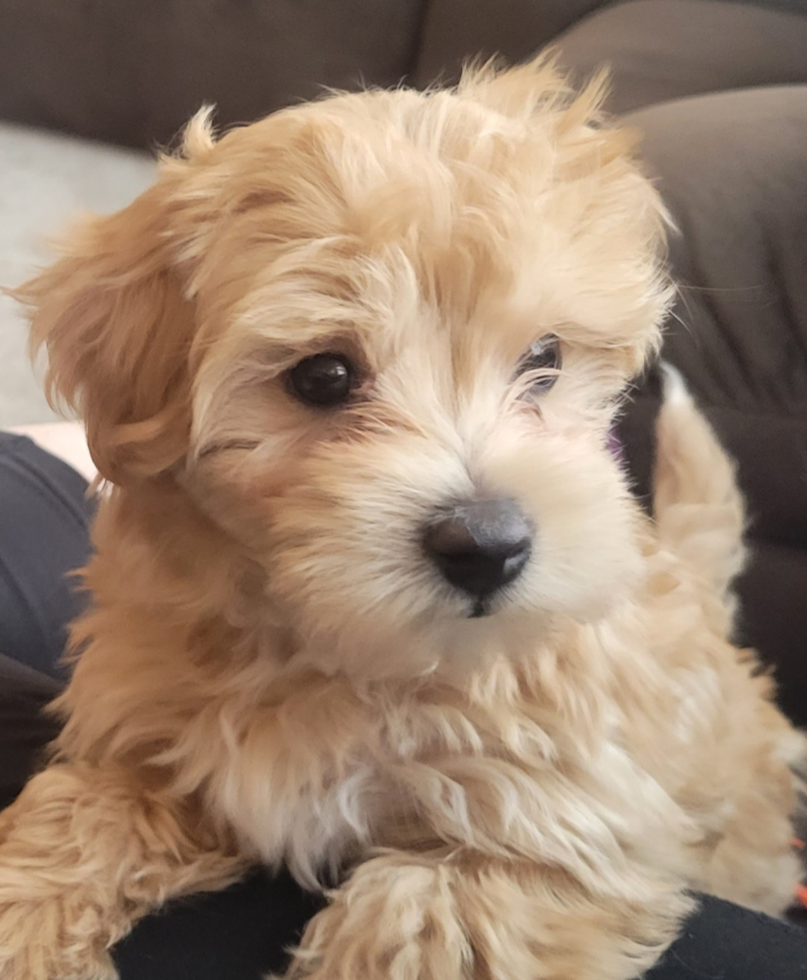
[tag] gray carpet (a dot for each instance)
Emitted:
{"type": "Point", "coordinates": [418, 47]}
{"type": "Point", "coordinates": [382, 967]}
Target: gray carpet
{"type": "Point", "coordinates": [45, 181]}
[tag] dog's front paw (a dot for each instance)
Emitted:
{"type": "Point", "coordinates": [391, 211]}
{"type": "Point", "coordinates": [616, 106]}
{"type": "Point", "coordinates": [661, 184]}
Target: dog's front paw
{"type": "Point", "coordinates": [416, 917]}
{"type": "Point", "coordinates": [47, 940]}
{"type": "Point", "coordinates": [392, 918]}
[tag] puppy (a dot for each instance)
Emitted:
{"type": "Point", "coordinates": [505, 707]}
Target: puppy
{"type": "Point", "coordinates": [370, 595]}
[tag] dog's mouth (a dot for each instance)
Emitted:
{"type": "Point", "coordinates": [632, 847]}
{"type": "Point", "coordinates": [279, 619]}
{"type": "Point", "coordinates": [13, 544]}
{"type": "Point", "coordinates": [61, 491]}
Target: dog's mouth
{"type": "Point", "coordinates": [481, 607]}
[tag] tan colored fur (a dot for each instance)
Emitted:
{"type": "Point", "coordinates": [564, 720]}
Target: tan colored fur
{"type": "Point", "coordinates": [271, 670]}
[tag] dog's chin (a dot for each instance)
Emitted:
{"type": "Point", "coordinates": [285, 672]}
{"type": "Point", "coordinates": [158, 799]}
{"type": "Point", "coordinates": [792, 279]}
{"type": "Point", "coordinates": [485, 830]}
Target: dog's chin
{"type": "Point", "coordinates": [454, 639]}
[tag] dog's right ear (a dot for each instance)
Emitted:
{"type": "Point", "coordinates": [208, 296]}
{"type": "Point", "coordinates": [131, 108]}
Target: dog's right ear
{"type": "Point", "coordinates": [117, 326]}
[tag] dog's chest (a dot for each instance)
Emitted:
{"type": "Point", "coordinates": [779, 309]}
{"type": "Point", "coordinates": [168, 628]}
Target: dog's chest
{"type": "Point", "coordinates": [422, 774]}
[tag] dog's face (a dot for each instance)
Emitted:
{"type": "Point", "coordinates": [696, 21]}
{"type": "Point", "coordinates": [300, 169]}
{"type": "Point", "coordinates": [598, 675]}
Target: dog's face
{"type": "Point", "coordinates": [379, 340]}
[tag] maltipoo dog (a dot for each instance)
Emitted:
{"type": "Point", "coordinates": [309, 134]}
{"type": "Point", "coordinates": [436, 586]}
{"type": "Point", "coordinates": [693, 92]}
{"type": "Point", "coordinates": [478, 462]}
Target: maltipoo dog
{"type": "Point", "coordinates": [370, 594]}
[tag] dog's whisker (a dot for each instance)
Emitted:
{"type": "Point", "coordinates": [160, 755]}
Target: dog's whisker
{"type": "Point", "coordinates": [229, 445]}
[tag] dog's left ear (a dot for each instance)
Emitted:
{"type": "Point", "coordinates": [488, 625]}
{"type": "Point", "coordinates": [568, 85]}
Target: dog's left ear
{"type": "Point", "coordinates": [118, 328]}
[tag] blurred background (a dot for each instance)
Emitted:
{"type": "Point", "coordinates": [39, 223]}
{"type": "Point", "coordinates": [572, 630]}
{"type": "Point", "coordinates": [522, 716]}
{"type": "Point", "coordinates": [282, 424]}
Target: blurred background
{"type": "Point", "coordinates": [46, 179]}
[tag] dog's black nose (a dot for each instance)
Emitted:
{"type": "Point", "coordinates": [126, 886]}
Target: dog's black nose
{"type": "Point", "coordinates": [480, 545]}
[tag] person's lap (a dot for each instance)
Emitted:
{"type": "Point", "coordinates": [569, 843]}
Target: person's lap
{"type": "Point", "coordinates": [44, 534]}
{"type": "Point", "coordinates": [242, 934]}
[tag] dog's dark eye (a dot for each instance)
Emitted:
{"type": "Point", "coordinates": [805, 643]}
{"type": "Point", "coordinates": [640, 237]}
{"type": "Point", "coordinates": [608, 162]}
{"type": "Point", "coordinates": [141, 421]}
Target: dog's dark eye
{"type": "Point", "coordinates": [322, 379]}
{"type": "Point", "coordinates": [544, 358]}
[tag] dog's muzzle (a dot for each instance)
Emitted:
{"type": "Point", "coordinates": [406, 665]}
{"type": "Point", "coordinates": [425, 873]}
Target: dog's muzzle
{"type": "Point", "coordinates": [480, 546]}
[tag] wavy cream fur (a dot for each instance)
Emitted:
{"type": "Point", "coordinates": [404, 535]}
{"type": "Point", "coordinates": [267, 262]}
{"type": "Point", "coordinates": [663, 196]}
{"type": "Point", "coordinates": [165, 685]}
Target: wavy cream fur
{"type": "Point", "coordinates": [271, 671]}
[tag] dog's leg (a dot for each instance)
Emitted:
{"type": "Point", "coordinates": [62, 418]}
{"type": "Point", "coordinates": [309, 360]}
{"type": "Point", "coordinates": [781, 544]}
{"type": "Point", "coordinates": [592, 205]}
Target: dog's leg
{"type": "Point", "coordinates": [416, 917]}
{"type": "Point", "coordinates": [83, 854]}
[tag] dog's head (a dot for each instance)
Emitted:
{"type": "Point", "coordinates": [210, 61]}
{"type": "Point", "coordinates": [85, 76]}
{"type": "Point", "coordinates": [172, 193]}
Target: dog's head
{"type": "Point", "coordinates": [379, 339]}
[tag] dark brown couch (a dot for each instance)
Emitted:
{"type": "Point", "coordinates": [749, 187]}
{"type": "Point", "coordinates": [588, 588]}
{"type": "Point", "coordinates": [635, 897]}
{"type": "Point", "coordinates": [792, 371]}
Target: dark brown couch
{"type": "Point", "coordinates": [719, 89]}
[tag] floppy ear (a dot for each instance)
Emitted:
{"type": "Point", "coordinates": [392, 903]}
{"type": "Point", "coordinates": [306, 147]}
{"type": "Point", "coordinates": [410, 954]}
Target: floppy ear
{"type": "Point", "coordinates": [117, 330]}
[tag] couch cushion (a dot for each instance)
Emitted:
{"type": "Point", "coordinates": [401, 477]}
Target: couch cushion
{"type": "Point", "coordinates": [732, 169]}
{"type": "Point", "coordinates": [455, 30]}
{"type": "Point", "coordinates": [666, 49]}
{"type": "Point", "coordinates": [659, 47]}
{"type": "Point", "coordinates": [133, 71]}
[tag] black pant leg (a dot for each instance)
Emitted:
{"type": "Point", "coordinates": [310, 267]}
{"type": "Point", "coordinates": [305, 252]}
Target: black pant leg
{"type": "Point", "coordinates": [44, 536]}
{"type": "Point", "coordinates": [24, 728]}
{"type": "Point", "coordinates": [242, 933]}
{"type": "Point", "coordinates": [721, 941]}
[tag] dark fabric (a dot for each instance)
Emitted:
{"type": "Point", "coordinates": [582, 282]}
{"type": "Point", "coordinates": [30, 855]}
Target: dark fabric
{"type": "Point", "coordinates": [456, 30]}
{"type": "Point", "coordinates": [44, 535]}
{"type": "Point", "coordinates": [240, 934]}
{"type": "Point", "coordinates": [659, 50]}
{"type": "Point", "coordinates": [732, 168]}
{"type": "Point", "coordinates": [24, 729]}
{"type": "Point", "coordinates": [134, 71]}
{"type": "Point", "coordinates": [665, 43]}
{"type": "Point", "coordinates": [243, 933]}
{"type": "Point", "coordinates": [724, 942]}
{"type": "Point", "coordinates": [44, 522]}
